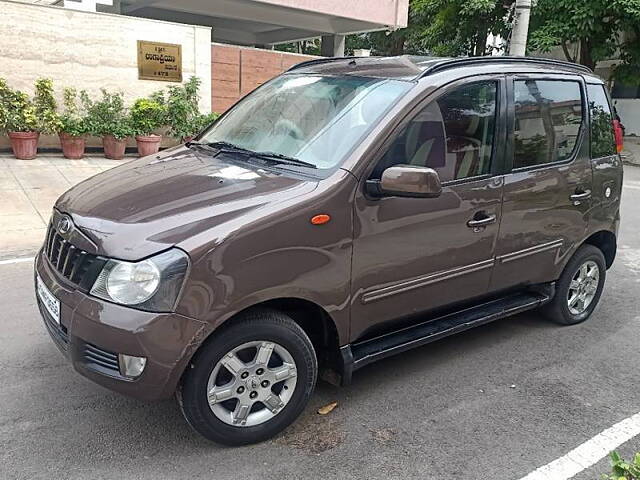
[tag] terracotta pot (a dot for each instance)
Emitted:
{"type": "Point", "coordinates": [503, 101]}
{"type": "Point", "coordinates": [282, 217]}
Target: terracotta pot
{"type": "Point", "coordinates": [187, 139]}
{"type": "Point", "coordinates": [113, 147]}
{"type": "Point", "coordinates": [24, 144]}
{"type": "Point", "coordinates": [72, 145]}
{"type": "Point", "coordinates": [148, 144]}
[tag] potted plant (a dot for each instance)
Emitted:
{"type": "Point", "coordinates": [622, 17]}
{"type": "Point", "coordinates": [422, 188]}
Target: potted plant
{"type": "Point", "coordinates": [24, 119]}
{"type": "Point", "coordinates": [147, 116]}
{"type": "Point", "coordinates": [182, 109]}
{"type": "Point", "coordinates": [73, 126]}
{"type": "Point", "coordinates": [18, 120]}
{"type": "Point", "coordinates": [200, 122]}
{"type": "Point", "coordinates": [107, 117]}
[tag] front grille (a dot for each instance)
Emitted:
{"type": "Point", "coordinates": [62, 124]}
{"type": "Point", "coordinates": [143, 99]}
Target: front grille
{"type": "Point", "coordinates": [101, 360]}
{"type": "Point", "coordinates": [74, 264]}
{"type": "Point", "coordinates": [57, 331]}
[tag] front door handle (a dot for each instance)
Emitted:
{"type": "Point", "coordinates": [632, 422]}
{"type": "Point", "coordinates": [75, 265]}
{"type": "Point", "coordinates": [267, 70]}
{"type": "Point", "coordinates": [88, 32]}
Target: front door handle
{"type": "Point", "coordinates": [579, 196]}
{"type": "Point", "coordinates": [481, 220]}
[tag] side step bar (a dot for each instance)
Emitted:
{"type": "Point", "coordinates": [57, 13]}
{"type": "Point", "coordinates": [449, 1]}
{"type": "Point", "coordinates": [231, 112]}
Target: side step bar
{"type": "Point", "coordinates": [359, 354]}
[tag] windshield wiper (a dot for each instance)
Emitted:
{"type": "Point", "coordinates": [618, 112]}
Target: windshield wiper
{"type": "Point", "coordinates": [219, 146]}
{"type": "Point", "coordinates": [282, 159]}
{"type": "Point", "coordinates": [227, 147]}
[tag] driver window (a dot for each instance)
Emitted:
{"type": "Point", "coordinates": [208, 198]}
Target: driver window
{"type": "Point", "coordinates": [453, 135]}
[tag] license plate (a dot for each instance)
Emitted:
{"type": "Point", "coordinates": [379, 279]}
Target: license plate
{"type": "Point", "coordinates": [51, 303]}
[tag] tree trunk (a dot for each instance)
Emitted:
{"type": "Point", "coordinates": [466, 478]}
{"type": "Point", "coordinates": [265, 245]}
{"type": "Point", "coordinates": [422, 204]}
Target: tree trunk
{"type": "Point", "coordinates": [567, 54]}
{"type": "Point", "coordinates": [585, 54]}
{"type": "Point", "coordinates": [481, 45]}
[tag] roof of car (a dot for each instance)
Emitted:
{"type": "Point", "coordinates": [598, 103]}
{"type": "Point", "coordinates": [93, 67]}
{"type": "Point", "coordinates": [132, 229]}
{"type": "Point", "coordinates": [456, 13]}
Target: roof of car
{"type": "Point", "coordinates": [411, 67]}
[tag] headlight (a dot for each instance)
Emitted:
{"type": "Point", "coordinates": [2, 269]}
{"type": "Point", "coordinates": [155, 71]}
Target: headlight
{"type": "Point", "coordinates": [152, 284]}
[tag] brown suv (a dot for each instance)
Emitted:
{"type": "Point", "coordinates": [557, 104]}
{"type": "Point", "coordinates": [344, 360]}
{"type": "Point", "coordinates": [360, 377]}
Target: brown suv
{"type": "Point", "coordinates": [347, 210]}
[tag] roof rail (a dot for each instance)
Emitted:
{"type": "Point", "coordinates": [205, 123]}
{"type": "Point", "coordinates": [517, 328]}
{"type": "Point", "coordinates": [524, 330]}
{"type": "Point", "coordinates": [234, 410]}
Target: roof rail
{"type": "Point", "coordinates": [462, 61]}
{"type": "Point", "coordinates": [318, 61]}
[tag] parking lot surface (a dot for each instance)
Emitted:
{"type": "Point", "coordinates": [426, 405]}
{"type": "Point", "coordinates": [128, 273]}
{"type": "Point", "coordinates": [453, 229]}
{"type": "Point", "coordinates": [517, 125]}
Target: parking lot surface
{"type": "Point", "coordinates": [495, 402]}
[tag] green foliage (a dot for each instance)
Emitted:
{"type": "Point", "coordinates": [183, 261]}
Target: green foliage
{"type": "Point", "coordinates": [147, 115]}
{"type": "Point", "coordinates": [17, 111]}
{"type": "Point", "coordinates": [45, 107]}
{"type": "Point", "coordinates": [182, 108]}
{"type": "Point", "coordinates": [73, 120]}
{"type": "Point", "coordinates": [594, 25]}
{"type": "Point", "coordinates": [202, 121]}
{"type": "Point", "coordinates": [107, 115]}
{"type": "Point", "coordinates": [621, 470]}
{"type": "Point", "coordinates": [439, 27]}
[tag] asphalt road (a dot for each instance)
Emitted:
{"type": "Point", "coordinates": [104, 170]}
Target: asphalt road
{"type": "Point", "coordinates": [492, 403]}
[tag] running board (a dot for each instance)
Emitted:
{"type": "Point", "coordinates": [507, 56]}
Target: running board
{"type": "Point", "coordinates": [359, 354]}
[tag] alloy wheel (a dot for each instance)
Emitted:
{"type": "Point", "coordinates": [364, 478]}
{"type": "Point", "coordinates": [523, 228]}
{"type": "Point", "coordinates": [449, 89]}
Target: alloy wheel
{"type": "Point", "coordinates": [252, 383]}
{"type": "Point", "coordinates": [583, 287]}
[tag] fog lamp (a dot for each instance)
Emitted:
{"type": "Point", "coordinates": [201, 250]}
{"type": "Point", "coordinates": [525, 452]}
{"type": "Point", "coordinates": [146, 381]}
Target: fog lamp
{"type": "Point", "coordinates": [131, 366]}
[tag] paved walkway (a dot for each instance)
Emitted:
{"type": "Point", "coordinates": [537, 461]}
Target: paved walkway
{"type": "Point", "coordinates": [29, 188]}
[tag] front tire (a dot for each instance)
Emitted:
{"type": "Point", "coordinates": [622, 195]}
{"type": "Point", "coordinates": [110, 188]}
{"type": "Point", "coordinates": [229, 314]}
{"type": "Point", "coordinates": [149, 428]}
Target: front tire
{"type": "Point", "coordinates": [579, 288]}
{"type": "Point", "coordinates": [250, 380]}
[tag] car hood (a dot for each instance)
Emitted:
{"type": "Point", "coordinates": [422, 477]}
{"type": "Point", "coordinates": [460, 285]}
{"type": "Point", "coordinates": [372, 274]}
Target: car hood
{"type": "Point", "coordinates": [148, 205]}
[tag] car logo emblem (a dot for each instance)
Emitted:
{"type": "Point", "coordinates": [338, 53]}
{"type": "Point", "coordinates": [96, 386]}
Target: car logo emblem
{"type": "Point", "coordinates": [64, 225]}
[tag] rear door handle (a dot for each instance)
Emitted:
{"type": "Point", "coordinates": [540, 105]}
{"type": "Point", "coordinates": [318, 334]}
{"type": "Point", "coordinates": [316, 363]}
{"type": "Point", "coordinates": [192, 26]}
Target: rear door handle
{"type": "Point", "coordinates": [580, 196]}
{"type": "Point", "coordinates": [476, 222]}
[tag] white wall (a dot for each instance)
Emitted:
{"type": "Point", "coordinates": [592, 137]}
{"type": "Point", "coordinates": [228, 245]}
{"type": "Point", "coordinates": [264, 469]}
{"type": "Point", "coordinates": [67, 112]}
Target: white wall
{"type": "Point", "coordinates": [92, 50]}
{"type": "Point", "coordinates": [629, 111]}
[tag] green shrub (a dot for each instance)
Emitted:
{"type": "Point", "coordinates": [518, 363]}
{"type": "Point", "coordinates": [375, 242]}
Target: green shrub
{"type": "Point", "coordinates": [107, 115]}
{"type": "Point", "coordinates": [621, 470]}
{"type": "Point", "coordinates": [202, 121]}
{"type": "Point", "coordinates": [73, 120]}
{"type": "Point", "coordinates": [182, 108]}
{"type": "Point", "coordinates": [17, 111]}
{"type": "Point", "coordinates": [45, 107]}
{"type": "Point", "coordinates": [148, 115]}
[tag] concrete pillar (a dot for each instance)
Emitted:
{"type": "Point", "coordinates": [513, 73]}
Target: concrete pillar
{"type": "Point", "coordinates": [332, 46]}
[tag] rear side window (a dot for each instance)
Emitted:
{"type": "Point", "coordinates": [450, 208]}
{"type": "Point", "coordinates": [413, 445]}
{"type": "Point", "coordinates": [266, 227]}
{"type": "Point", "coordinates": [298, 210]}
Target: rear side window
{"type": "Point", "coordinates": [548, 116]}
{"type": "Point", "coordinates": [453, 135]}
{"type": "Point", "coordinates": [602, 140]}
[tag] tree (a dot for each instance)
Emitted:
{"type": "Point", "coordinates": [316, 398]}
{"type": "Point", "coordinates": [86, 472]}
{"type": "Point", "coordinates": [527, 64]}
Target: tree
{"type": "Point", "coordinates": [441, 28]}
{"type": "Point", "coordinates": [456, 27]}
{"type": "Point", "coordinates": [599, 29]}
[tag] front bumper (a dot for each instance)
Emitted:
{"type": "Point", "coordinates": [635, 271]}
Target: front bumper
{"type": "Point", "coordinates": [92, 332]}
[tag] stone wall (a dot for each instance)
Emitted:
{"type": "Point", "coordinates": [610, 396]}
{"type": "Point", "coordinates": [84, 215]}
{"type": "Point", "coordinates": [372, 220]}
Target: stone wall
{"type": "Point", "coordinates": [92, 50]}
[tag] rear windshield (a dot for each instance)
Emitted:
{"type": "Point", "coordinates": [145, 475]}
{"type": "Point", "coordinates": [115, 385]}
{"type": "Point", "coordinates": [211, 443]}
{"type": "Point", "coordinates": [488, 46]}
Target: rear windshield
{"type": "Point", "coordinates": [603, 141]}
{"type": "Point", "coordinates": [317, 119]}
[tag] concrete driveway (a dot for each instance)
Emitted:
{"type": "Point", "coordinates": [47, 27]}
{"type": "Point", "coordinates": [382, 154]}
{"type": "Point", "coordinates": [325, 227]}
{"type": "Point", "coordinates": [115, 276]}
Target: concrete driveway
{"type": "Point", "coordinates": [492, 403]}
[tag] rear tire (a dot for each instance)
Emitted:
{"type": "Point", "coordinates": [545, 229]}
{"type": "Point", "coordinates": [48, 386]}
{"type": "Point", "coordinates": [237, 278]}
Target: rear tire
{"type": "Point", "coordinates": [263, 357]}
{"type": "Point", "coordinates": [579, 288]}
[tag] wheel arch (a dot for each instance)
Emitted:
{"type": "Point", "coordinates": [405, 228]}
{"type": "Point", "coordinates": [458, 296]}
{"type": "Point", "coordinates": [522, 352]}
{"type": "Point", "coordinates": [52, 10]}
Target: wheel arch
{"type": "Point", "coordinates": [316, 322]}
{"type": "Point", "coordinates": [606, 242]}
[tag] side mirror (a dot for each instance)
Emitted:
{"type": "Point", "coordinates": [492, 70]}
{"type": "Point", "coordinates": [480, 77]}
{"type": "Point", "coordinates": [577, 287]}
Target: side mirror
{"type": "Point", "coordinates": [406, 181]}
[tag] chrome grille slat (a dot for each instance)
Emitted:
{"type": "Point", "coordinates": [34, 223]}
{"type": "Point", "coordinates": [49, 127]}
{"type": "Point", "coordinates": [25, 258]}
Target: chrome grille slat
{"type": "Point", "coordinates": [70, 261]}
{"type": "Point", "coordinates": [70, 253]}
{"type": "Point", "coordinates": [63, 245]}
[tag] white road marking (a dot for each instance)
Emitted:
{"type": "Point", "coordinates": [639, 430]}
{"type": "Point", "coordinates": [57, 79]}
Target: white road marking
{"type": "Point", "coordinates": [589, 453]}
{"type": "Point", "coordinates": [16, 260]}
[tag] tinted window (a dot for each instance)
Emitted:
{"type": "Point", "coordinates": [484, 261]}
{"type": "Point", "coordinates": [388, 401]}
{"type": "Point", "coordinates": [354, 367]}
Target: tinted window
{"type": "Point", "coordinates": [548, 120]}
{"type": "Point", "coordinates": [453, 135]}
{"type": "Point", "coordinates": [602, 140]}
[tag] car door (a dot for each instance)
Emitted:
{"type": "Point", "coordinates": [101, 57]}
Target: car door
{"type": "Point", "coordinates": [547, 195]}
{"type": "Point", "coordinates": [411, 255]}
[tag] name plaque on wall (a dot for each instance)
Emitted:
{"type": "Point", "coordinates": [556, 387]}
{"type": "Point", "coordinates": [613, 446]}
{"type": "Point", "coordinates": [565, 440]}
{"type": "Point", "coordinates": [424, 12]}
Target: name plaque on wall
{"type": "Point", "coordinates": [159, 61]}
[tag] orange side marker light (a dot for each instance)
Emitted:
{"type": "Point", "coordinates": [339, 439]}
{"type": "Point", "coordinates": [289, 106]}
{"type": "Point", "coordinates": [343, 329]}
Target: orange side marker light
{"type": "Point", "coordinates": [320, 219]}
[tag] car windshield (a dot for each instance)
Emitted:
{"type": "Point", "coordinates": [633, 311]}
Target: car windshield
{"type": "Point", "coordinates": [316, 119]}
